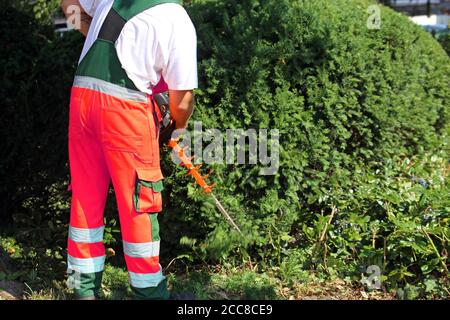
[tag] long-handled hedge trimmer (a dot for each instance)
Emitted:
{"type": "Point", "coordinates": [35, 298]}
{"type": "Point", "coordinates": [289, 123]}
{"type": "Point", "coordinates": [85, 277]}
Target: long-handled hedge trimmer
{"type": "Point", "coordinates": [163, 104]}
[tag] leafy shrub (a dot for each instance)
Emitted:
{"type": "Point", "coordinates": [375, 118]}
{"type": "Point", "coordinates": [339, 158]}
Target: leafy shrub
{"type": "Point", "coordinates": [37, 72]}
{"type": "Point", "coordinates": [352, 104]}
{"type": "Point", "coordinates": [36, 75]}
{"type": "Point", "coordinates": [444, 40]}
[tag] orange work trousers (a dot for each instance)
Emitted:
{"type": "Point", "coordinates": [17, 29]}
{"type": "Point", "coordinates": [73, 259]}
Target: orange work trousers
{"type": "Point", "coordinates": [113, 136]}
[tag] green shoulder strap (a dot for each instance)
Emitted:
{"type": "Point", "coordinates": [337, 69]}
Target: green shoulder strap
{"type": "Point", "coordinates": [127, 9]}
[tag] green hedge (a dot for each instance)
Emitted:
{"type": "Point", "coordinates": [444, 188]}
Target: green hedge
{"type": "Point", "coordinates": [37, 71]}
{"type": "Point", "coordinates": [363, 116]}
{"type": "Point", "coordinates": [444, 40]}
{"type": "Point", "coordinates": [352, 105]}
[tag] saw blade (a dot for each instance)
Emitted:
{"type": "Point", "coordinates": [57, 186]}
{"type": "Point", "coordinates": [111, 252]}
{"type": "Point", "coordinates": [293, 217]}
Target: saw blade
{"type": "Point", "coordinates": [225, 213]}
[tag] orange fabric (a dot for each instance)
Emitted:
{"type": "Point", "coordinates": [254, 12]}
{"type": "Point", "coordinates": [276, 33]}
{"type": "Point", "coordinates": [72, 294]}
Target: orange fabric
{"type": "Point", "coordinates": [110, 139]}
{"type": "Point", "coordinates": [149, 200]}
{"type": "Point", "coordinates": [143, 265]}
{"type": "Point", "coordinates": [149, 174]}
{"type": "Point", "coordinates": [85, 250]}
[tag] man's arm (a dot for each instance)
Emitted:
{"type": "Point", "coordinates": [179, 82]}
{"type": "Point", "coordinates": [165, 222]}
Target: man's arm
{"type": "Point", "coordinates": [84, 19]}
{"type": "Point", "coordinates": [181, 104]}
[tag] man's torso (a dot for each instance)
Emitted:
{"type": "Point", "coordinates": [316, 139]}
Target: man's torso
{"type": "Point", "coordinates": [158, 41]}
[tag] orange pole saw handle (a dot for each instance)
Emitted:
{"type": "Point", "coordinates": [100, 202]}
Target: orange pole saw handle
{"type": "Point", "coordinates": [193, 171]}
{"type": "Point", "coordinates": [187, 162]}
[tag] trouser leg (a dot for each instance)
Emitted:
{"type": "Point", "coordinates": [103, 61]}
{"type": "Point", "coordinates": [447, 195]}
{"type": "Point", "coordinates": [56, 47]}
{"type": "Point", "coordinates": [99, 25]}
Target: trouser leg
{"type": "Point", "coordinates": [132, 154]}
{"type": "Point", "coordinates": [90, 182]}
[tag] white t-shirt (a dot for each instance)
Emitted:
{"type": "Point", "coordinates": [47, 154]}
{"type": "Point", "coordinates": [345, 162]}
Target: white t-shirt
{"type": "Point", "coordinates": [159, 41]}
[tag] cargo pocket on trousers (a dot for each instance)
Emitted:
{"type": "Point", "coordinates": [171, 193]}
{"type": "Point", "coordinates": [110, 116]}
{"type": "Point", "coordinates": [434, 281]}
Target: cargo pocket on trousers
{"type": "Point", "coordinates": [147, 192]}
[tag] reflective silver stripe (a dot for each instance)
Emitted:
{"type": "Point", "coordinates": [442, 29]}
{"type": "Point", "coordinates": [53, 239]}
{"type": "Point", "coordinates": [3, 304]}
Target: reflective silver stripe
{"type": "Point", "coordinates": [141, 250]}
{"type": "Point", "coordinates": [86, 265]}
{"type": "Point", "coordinates": [109, 88]}
{"type": "Point", "coordinates": [146, 280]}
{"type": "Point", "coordinates": [86, 235]}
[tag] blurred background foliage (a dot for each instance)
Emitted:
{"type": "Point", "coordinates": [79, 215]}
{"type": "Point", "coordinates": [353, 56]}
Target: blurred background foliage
{"type": "Point", "coordinates": [364, 163]}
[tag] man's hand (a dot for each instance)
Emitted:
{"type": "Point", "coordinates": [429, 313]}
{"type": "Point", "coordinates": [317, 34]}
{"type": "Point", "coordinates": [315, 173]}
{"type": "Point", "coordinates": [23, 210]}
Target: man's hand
{"type": "Point", "coordinates": [181, 105]}
{"type": "Point", "coordinates": [84, 19]}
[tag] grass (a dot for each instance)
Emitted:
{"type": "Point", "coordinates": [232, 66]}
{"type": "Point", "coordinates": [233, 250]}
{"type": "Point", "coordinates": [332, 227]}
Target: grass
{"type": "Point", "coordinates": [215, 284]}
{"type": "Point", "coordinates": [24, 281]}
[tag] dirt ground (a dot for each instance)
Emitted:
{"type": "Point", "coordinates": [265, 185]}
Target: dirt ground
{"type": "Point", "coordinates": [11, 290]}
{"type": "Point", "coordinates": [338, 290]}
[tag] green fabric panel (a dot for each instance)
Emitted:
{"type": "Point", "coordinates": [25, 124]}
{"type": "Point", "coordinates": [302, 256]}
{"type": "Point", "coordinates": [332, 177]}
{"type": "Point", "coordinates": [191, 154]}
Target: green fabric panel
{"type": "Point", "coordinates": [137, 191]}
{"type": "Point", "coordinates": [127, 9]}
{"type": "Point", "coordinates": [157, 293]}
{"type": "Point", "coordinates": [155, 227]}
{"type": "Point", "coordinates": [89, 285]}
{"type": "Point", "coordinates": [156, 186]}
{"type": "Point", "coordinates": [102, 62]}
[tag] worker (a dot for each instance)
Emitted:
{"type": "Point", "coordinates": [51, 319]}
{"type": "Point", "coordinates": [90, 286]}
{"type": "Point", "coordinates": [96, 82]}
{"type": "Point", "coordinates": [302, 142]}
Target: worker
{"type": "Point", "coordinates": [131, 45]}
